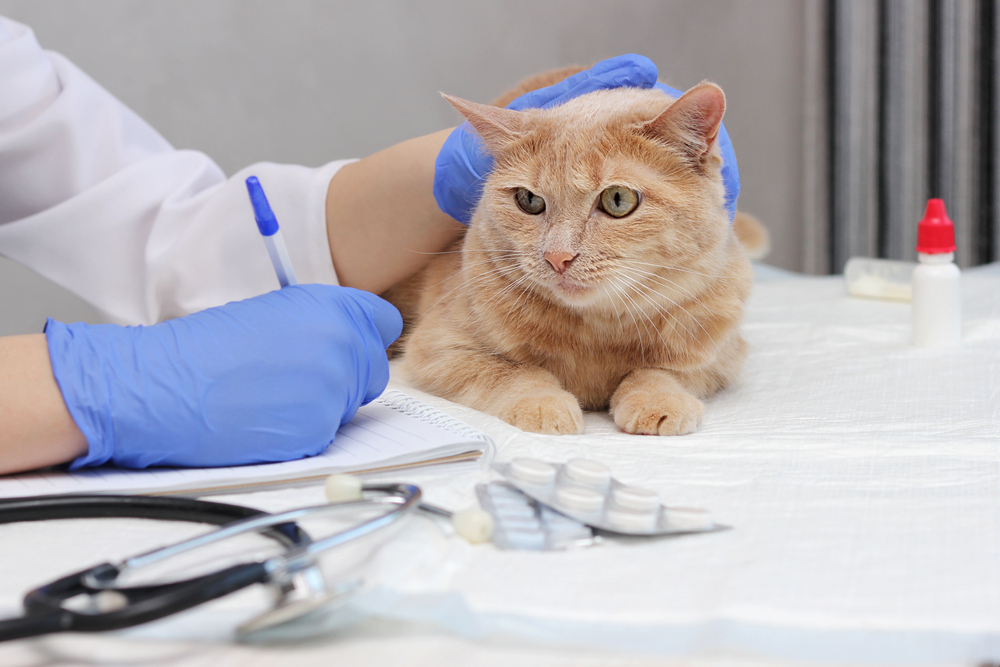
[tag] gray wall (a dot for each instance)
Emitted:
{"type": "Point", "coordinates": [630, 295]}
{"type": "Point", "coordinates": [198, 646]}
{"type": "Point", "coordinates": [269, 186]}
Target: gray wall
{"type": "Point", "coordinates": [307, 81]}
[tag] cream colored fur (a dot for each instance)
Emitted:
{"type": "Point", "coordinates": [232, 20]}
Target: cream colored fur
{"type": "Point", "coordinates": [643, 320]}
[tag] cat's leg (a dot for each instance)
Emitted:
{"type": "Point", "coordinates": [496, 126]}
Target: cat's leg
{"type": "Point", "coordinates": [651, 401]}
{"type": "Point", "coordinates": [534, 401]}
{"type": "Point", "coordinates": [524, 395]}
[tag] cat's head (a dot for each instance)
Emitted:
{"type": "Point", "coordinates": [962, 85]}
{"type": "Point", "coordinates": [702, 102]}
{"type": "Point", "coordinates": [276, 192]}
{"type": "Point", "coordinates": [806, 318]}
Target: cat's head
{"type": "Point", "coordinates": [603, 198]}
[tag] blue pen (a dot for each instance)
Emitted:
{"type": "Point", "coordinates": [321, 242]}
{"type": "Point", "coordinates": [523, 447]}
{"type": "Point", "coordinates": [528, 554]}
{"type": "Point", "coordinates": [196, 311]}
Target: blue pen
{"type": "Point", "coordinates": [268, 226]}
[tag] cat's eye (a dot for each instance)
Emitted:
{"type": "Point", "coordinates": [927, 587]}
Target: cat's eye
{"type": "Point", "coordinates": [618, 201]}
{"type": "Point", "coordinates": [529, 202]}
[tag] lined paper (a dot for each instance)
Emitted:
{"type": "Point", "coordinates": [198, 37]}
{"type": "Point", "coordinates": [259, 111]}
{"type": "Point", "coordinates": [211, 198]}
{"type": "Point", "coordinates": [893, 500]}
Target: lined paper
{"type": "Point", "coordinates": [379, 438]}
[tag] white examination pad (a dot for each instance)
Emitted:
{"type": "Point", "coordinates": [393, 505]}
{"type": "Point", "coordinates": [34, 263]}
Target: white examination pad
{"type": "Point", "coordinates": [860, 475]}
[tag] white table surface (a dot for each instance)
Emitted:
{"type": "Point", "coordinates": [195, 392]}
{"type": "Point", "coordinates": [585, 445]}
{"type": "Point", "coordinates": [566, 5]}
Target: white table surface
{"type": "Point", "coordinates": [861, 477]}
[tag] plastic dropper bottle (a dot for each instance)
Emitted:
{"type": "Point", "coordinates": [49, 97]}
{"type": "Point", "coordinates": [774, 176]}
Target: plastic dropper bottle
{"type": "Point", "coordinates": [937, 286]}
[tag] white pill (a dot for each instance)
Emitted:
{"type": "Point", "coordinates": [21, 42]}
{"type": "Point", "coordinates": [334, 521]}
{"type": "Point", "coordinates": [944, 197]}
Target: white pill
{"type": "Point", "coordinates": [579, 498]}
{"type": "Point", "coordinates": [474, 525]}
{"type": "Point", "coordinates": [342, 488]}
{"type": "Point", "coordinates": [689, 519]}
{"type": "Point", "coordinates": [635, 498]}
{"type": "Point", "coordinates": [532, 471]}
{"type": "Point", "coordinates": [585, 471]}
{"type": "Point", "coordinates": [109, 601]}
{"type": "Point", "coordinates": [627, 520]}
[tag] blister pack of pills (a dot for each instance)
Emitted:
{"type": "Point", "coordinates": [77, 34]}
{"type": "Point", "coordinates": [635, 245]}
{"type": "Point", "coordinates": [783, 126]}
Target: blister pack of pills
{"type": "Point", "coordinates": [520, 522]}
{"type": "Point", "coordinates": [585, 490]}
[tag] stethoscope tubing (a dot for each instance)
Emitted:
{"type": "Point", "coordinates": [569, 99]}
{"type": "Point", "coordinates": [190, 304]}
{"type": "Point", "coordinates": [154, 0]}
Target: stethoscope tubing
{"type": "Point", "coordinates": [162, 508]}
{"type": "Point", "coordinates": [405, 497]}
{"type": "Point", "coordinates": [44, 610]}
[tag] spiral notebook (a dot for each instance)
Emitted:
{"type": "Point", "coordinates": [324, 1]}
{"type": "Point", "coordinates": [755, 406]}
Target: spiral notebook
{"type": "Point", "coordinates": [393, 432]}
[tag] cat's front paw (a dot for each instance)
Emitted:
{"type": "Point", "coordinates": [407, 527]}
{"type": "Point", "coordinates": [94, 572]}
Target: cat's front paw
{"type": "Point", "coordinates": [658, 413]}
{"type": "Point", "coordinates": [550, 413]}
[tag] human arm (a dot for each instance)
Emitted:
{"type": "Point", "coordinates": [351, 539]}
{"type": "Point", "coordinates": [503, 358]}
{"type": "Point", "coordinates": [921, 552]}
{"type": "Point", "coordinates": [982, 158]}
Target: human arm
{"type": "Point", "coordinates": [270, 378]}
{"type": "Point", "coordinates": [383, 222]}
{"type": "Point", "coordinates": [37, 427]}
{"type": "Point", "coordinates": [180, 235]}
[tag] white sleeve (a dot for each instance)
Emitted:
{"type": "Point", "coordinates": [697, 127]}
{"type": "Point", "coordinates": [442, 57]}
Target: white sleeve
{"type": "Point", "coordinates": [97, 201]}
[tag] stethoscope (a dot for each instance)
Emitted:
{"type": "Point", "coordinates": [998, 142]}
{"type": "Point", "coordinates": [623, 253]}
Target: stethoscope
{"type": "Point", "coordinates": [94, 600]}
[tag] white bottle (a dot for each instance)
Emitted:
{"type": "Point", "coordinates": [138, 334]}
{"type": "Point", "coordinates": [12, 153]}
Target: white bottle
{"type": "Point", "coordinates": [937, 282]}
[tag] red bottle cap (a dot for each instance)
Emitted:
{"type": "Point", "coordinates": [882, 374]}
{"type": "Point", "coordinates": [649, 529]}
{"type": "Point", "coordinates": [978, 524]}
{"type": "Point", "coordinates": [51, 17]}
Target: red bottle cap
{"type": "Point", "coordinates": [935, 234]}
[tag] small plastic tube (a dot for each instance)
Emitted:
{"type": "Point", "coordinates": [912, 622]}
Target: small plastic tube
{"type": "Point", "coordinates": [878, 278]}
{"type": "Point", "coordinates": [937, 281]}
{"type": "Point", "coordinates": [937, 301]}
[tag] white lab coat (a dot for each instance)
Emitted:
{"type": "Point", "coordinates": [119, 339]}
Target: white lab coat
{"type": "Point", "coordinates": [97, 201]}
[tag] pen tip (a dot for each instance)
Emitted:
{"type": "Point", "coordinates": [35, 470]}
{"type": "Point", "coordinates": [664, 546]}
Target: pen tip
{"type": "Point", "coordinates": [266, 222]}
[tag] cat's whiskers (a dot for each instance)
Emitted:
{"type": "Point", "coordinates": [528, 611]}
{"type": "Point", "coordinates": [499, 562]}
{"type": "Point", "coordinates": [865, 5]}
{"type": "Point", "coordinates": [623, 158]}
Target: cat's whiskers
{"type": "Point", "coordinates": [694, 299]}
{"type": "Point", "coordinates": [447, 278]}
{"type": "Point", "coordinates": [469, 283]}
{"type": "Point", "coordinates": [497, 297]}
{"type": "Point", "coordinates": [621, 292]}
{"type": "Point", "coordinates": [668, 318]}
{"type": "Point", "coordinates": [614, 309]}
{"type": "Point", "coordinates": [664, 266]}
{"type": "Point", "coordinates": [666, 282]}
{"type": "Point", "coordinates": [656, 278]}
{"type": "Point", "coordinates": [648, 292]}
{"type": "Point", "coordinates": [513, 308]}
{"type": "Point", "coordinates": [440, 252]}
{"type": "Point", "coordinates": [657, 309]}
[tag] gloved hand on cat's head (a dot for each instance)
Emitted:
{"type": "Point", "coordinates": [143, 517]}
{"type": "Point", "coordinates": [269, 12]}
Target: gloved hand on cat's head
{"type": "Point", "coordinates": [463, 163]}
{"type": "Point", "coordinates": [266, 379]}
{"type": "Point", "coordinates": [730, 170]}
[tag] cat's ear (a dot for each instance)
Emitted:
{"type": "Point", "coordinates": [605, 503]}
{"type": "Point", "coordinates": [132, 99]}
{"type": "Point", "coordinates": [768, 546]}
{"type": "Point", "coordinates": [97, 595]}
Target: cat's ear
{"type": "Point", "coordinates": [694, 119]}
{"type": "Point", "coordinates": [498, 127]}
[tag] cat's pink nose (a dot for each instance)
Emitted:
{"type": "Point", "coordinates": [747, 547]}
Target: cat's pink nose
{"type": "Point", "coordinates": [559, 260]}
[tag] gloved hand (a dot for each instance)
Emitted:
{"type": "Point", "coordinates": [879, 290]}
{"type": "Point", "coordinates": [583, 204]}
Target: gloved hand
{"type": "Point", "coordinates": [463, 163]}
{"type": "Point", "coordinates": [730, 170]}
{"type": "Point", "coordinates": [270, 378]}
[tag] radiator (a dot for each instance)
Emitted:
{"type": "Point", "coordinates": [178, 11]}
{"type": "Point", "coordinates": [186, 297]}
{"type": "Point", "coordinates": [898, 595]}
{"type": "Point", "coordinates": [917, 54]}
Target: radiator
{"type": "Point", "coordinates": [907, 109]}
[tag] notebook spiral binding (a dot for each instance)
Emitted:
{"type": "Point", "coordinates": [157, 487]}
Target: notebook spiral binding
{"type": "Point", "coordinates": [409, 405]}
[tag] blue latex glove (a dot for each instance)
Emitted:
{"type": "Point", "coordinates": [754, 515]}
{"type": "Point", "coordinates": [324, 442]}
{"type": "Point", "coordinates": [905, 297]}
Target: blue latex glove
{"type": "Point", "coordinates": [270, 378]}
{"type": "Point", "coordinates": [463, 163]}
{"type": "Point", "coordinates": [730, 170]}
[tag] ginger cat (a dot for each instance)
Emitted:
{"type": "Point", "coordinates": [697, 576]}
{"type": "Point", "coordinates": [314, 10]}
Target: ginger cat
{"type": "Point", "coordinates": [599, 270]}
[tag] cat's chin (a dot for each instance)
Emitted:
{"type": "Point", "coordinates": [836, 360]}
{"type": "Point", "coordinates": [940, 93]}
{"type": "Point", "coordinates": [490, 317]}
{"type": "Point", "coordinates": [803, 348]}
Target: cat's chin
{"type": "Point", "coordinates": [573, 293]}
